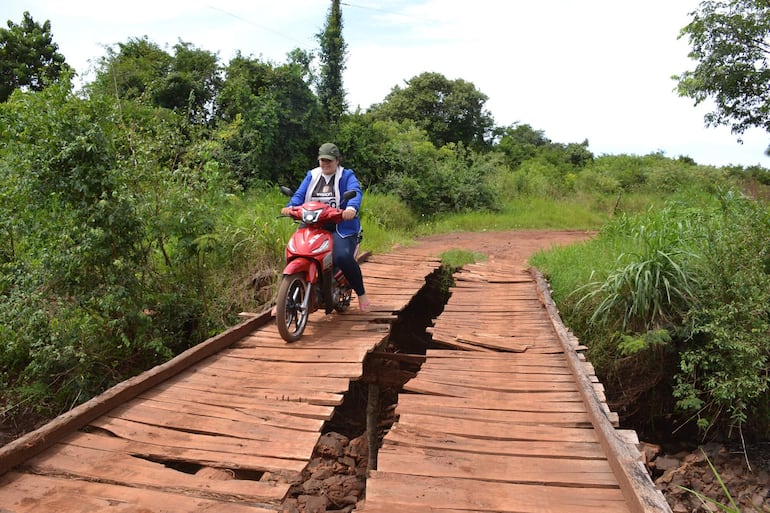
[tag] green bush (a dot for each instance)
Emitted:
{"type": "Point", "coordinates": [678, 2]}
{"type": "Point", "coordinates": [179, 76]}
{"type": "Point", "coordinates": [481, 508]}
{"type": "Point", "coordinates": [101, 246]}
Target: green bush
{"type": "Point", "coordinates": [387, 212]}
{"type": "Point", "coordinates": [105, 251]}
{"type": "Point", "coordinates": [682, 308]}
{"type": "Point", "coordinates": [724, 368]}
{"type": "Point", "coordinates": [449, 184]}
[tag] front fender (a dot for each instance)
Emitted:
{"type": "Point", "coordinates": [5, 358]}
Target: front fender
{"type": "Point", "coordinates": [302, 265]}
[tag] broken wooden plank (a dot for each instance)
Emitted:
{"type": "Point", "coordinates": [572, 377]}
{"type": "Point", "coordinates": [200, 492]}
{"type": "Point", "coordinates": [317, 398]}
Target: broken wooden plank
{"type": "Point", "coordinates": [26, 493]}
{"type": "Point", "coordinates": [96, 464]}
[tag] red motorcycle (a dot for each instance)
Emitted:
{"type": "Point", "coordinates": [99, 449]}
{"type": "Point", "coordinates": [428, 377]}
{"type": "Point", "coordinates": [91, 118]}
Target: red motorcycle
{"type": "Point", "coordinates": [310, 279]}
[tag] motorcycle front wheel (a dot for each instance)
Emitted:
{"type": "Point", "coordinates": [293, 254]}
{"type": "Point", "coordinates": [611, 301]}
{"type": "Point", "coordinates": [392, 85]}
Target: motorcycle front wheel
{"type": "Point", "coordinates": [290, 316]}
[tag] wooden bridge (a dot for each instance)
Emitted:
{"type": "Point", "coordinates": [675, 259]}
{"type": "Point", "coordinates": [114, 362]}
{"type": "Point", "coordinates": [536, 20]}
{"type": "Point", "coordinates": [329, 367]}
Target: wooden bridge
{"type": "Point", "coordinates": [504, 414]}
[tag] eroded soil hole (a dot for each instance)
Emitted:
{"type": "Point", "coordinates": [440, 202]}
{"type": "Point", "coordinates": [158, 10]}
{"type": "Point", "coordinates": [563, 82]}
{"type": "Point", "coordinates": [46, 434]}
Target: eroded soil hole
{"type": "Point", "coordinates": [335, 479]}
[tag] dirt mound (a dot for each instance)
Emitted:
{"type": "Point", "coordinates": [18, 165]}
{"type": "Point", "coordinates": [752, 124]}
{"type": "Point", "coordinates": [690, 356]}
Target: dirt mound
{"type": "Point", "coordinates": [747, 479]}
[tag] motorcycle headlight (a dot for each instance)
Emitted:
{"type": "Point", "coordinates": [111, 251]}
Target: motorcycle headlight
{"type": "Point", "coordinates": [310, 216]}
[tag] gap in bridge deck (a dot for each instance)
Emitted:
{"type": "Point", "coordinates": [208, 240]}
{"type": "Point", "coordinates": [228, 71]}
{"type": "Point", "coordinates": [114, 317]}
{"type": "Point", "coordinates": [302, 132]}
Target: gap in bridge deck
{"type": "Point", "coordinates": [392, 364]}
{"type": "Point", "coordinates": [187, 467]}
{"type": "Point", "coordinates": [398, 357]}
{"type": "Point", "coordinates": [198, 469]}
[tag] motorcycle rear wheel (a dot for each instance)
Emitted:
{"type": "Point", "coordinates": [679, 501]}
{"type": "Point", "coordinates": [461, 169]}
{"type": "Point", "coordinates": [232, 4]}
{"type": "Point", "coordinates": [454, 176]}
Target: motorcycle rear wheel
{"type": "Point", "coordinates": [291, 317]}
{"type": "Point", "coordinates": [343, 296]}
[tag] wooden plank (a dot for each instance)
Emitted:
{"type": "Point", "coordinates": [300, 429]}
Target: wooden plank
{"type": "Point", "coordinates": [440, 373]}
{"type": "Point", "coordinates": [556, 417]}
{"type": "Point", "coordinates": [496, 431]}
{"type": "Point", "coordinates": [499, 359]}
{"type": "Point", "coordinates": [300, 355]}
{"type": "Point", "coordinates": [536, 344]}
{"type": "Point", "coordinates": [531, 364]}
{"type": "Point", "coordinates": [238, 399]}
{"type": "Point", "coordinates": [299, 447]}
{"type": "Point", "coordinates": [403, 491]}
{"type": "Point", "coordinates": [421, 436]}
{"type": "Point", "coordinates": [497, 380]}
{"type": "Point", "coordinates": [426, 387]}
{"type": "Point", "coordinates": [635, 482]}
{"type": "Point", "coordinates": [406, 508]}
{"type": "Point", "coordinates": [351, 370]}
{"type": "Point", "coordinates": [456, 344]}
{"type": "Point", "coordinates": [499, 343]}
{"type": "Point", "coordinates": [511, 306]}
{"type": "Point", "coordinates": [36, 441]}
{"type": "Point", "coordinates": [499, 307]}
{"type": "Point", "coordinates": [25, 493]}
{"type": "Point", "coordinates": [509, 385]}
{"type": "Point", "coordinates": [211, 456]}
{"type": "Point", "coordinates": [266, 417]}
{"type": "Point", "coordinates": [92, 464]}
{"type": "Point", "coordinates": [328, 332]}
{"type": "Point", "coordinates": [294, 380]}
{"type": "Point", "coordinates": [307, 394]}
{"type": "Point", "coordinates": [491, 467]}
{"type": "Point", "coordinates": [148, 414]}
{"type": "Point", "coordinates": [417, 401]}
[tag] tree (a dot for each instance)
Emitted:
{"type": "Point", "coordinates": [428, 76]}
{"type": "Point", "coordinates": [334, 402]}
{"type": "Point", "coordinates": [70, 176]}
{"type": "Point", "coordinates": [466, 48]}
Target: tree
{"type": "Point", "coordinates": [28, 57]}
{"type": "Point", "coordinates": [730, 41]}
{"type": "Point", "coordinates": [331, 92]}
{"type": "Point", "coordinates": [269, 119]}
{"type": "Point", "coordinates": [186, 82]}
{"type": "Point", "coordinates": [131, 72]}
{"type": "Point", "coordinates": [521, 142]}
{"type": "Point", "coordinates": [451, 111]}
{"type": "Point", "coordinates": [192, 83]}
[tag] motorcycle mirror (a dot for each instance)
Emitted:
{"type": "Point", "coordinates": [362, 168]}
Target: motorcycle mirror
{"type": "Point", "coordinates": [286, 191]}
{"type": "Point", "coordinates": [348, 195]}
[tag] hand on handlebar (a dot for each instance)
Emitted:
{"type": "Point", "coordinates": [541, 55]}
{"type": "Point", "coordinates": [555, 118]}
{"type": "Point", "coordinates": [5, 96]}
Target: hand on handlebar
{"type": "Point", "coordinates": [285, 211]}
{"type": "Point", "coordinates": [348, 214]}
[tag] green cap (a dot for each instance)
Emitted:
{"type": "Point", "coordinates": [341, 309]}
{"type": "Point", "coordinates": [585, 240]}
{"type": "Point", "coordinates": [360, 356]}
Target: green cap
{"type": "Point", "coordinates": [328, 151]}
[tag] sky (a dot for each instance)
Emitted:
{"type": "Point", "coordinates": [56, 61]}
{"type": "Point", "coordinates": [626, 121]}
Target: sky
{"type": "Point", "coordinates": [596, 70]}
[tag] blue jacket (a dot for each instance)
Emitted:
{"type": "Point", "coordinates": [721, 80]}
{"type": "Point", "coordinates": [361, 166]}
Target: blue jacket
{"type": "Point", "coordinates": [345, 180]}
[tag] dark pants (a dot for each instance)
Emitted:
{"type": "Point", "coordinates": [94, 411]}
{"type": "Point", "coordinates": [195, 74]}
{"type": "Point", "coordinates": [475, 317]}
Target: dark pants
{"type": "Point", "coordinates": [345, 258]}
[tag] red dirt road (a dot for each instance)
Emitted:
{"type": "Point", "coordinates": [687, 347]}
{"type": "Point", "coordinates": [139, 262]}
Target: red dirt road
{"type": "Point", "coordinates": [516, 245]}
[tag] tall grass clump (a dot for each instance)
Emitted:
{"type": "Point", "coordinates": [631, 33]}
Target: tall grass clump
{"type": "Point", "coordinates": [386, 222]}
{"type": "Point", "coordinates": [627, 288]}
{"type": "Point", "coordinates": [249, 238]}
{"type": "Point", "coordinates": [652, 285]}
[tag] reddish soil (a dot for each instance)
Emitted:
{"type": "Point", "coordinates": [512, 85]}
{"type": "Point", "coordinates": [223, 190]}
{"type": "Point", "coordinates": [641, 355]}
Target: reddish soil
{"type": "Point", "coordinates": [517, 246]}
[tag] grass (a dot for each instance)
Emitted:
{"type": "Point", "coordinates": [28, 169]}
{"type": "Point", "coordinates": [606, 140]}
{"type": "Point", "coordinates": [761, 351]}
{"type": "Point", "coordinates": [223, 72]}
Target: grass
{"type": "Point", "coordinates": [460, 257]}
{"type": "Point", "coordinates": [527, 213]}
